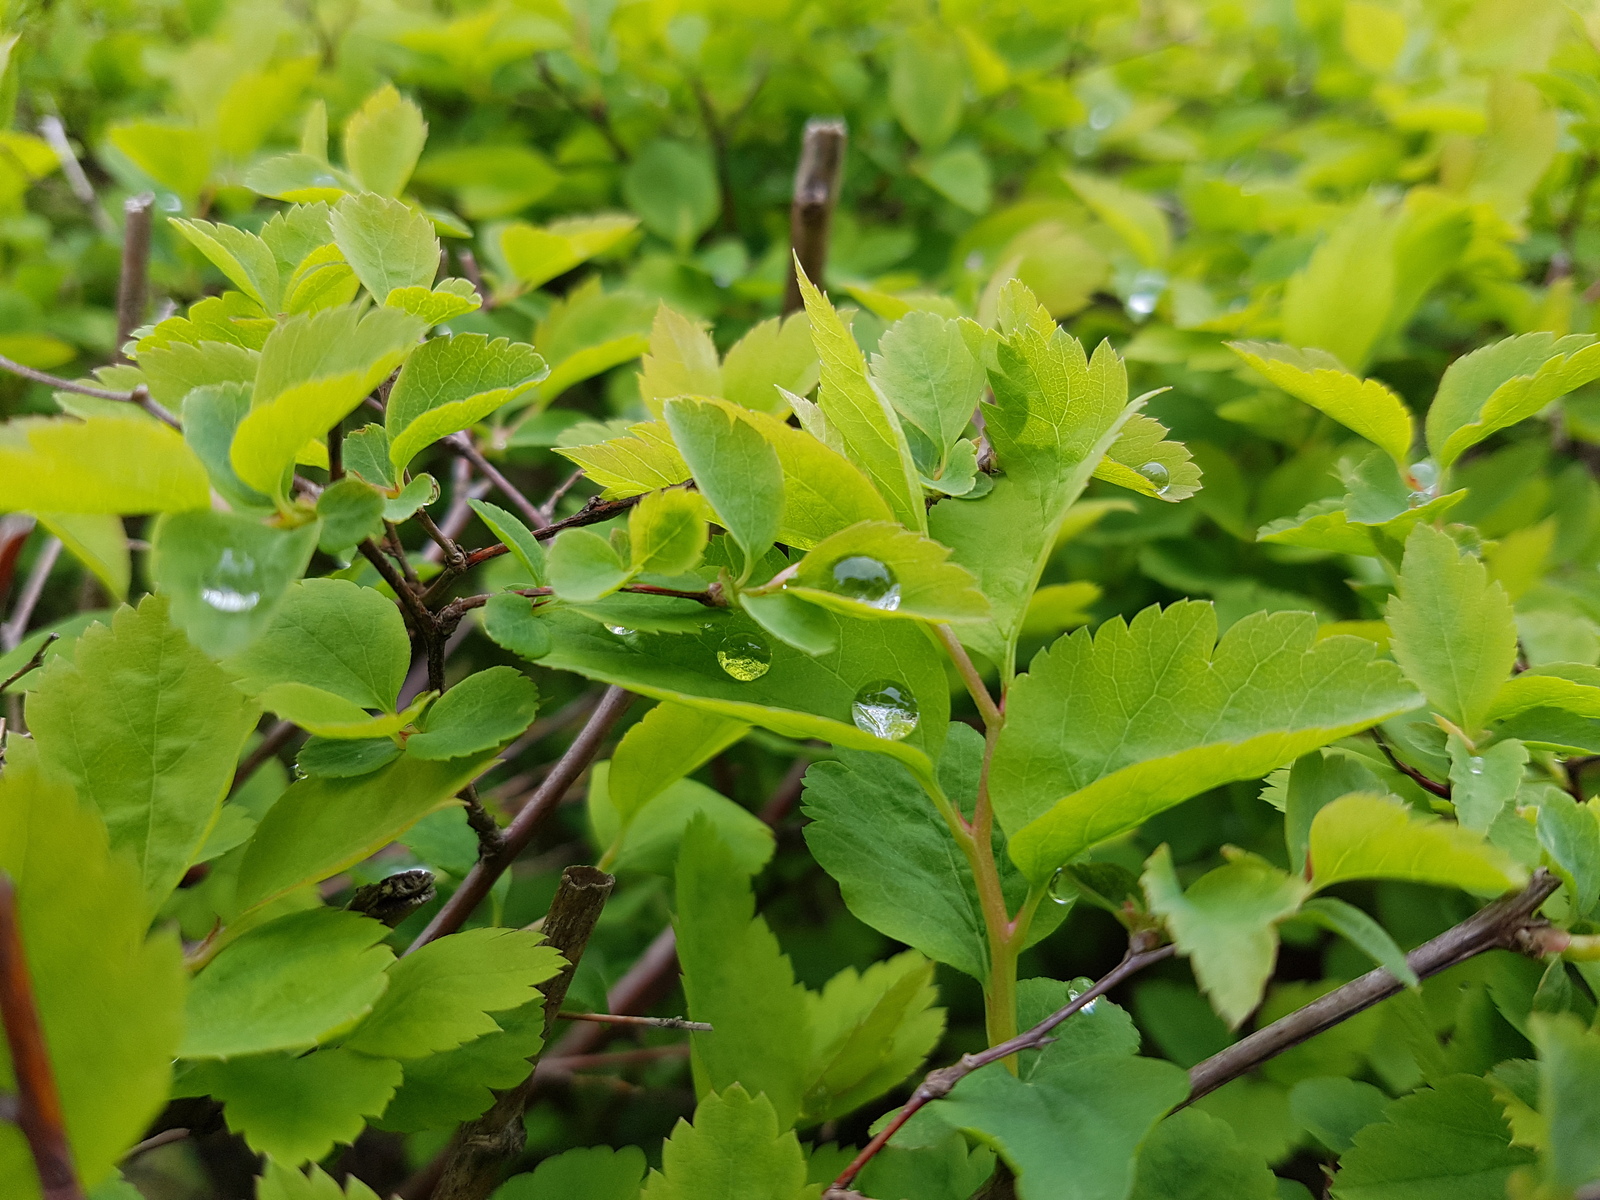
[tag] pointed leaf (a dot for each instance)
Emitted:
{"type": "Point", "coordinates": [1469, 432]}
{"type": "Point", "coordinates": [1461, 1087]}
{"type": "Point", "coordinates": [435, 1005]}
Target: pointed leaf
{"type": "Point", "coordinates": [1378, 837]}
{"type": "Point", "coordinates": [735, 468]}
{"type": "Point", "coordinates": [102, 465]}
{"type": "Point", "coordinates": [672, 741]}
{"type": "Point", "coordinates": [1364, 406]}
{"type": "Point", "coordinates": [537, 256]}
{"type": "Point", "coordinates": [1498, 385]}
{"type": "Point", "coordinates": [388, 244]}
{"type": "Point", "coordinates": [383, 140]}
{"type": "Point", "coordinates": [246, 260]}
{"type": "Point", "coordinates": [773, 355]}
{"type": "Point", "coordinates": [733, 1151]}
{"type": "Point", "coordinates": [482, 712]}
{"type": "Point", "coordinates": [667, 533]}
{"type": "Point", "coordinates": [682, 361]}
{"type": "Point", "coordinates": [875, 569]}
{"type": "Point", "coordinates": [452, 383]}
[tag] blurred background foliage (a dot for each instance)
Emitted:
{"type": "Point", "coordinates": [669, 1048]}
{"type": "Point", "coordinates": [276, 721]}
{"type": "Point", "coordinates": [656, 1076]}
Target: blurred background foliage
{"type": "Point", "coordinates": [1397, 181]}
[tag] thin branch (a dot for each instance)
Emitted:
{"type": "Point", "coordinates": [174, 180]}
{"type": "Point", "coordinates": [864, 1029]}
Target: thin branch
{"type": "Point", "coordinates": [484, 1147]}
{"type": "Point", "coordinates": [39, 1114]}
{"type": "Point", "coordinates": [13, 631]}
{"type": "Point", "coordinates": [455, 558]}
{"type": "Point", "coordinates": [547, 510]}
{"type": "Point", "coordinates": [938, 1084]}
{"type": "Point", "coordinates": [787, 794]}
{"type": "Point", "coordinates": [1442, 790]}
{"type": "Point", "coordinates": [462, 445]}
{"type": "Point", "coordinates": [165, 1138]}
{"type": "Point", "coordinates": [60, 384]}
{"type": "Point", "coordinates": [395, 549]}
{"type": "Point", "coordinates": [1502, 925]}
{"type": "Point", "coordinates": [987, 708]}
{"type": "Point", "coordinates": [481, 822]}
{"type": "Point", "coordinates": [517, 835]}
{"type": "Point", "coordinates": [32, 663]}
{"type": "Point", "coordinates": [645, 1022]}
{"type": "Point", "coordinates": [336, 452]}
{"type": "Point", "coordinates": [133, 284]}
{"type": "Point", "coordinates": [816, 191]}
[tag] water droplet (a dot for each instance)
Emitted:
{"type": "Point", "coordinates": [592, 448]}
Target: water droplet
{"type": "Point", "coordinates": [1074, 993]}
{"type": "Point", "coordinates": [867, 580]}
{"type": "Point", "coordinates": [621, 631]}
{"type": "Point", "coordinates": [885, 709]}
{"type": "Point", "coordinates": [1061, 889]}
{"type": "Point", "coordinates": [1158, 475]}
{"type": "Point", "coordinates": [744, 656]}
{"type": "Point", "coordinates": [1475, 765]}
{"type": "Point", "coordinates": [225, 589]}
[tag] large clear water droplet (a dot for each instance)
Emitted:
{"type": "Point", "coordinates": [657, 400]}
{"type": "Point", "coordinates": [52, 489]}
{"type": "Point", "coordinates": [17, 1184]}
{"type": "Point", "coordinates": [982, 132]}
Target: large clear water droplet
{"type": "Point", "coordinates": [1475, 765]}
{"type": "Point", "coordinates": [868, 581]}
{"type": "Point", "coordinates": [744, 656]}
{"type": "Point", "coordinates": [622, 631]}
{"type": "Point", "coordinates": [885, 709]}
{"type": "Point", "coordinates": [1073, 993]}
{"type": "Point", "coordinates": [1061, 889]}
{"type": "Point", "coordinates": [228, 588]}
{"type": "Point", "coordinates": [1158, 475]}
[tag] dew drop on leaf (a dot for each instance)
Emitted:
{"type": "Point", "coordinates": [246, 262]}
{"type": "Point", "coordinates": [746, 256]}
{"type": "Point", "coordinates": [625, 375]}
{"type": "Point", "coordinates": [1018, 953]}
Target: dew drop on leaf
{"type": "Point", "coordinates": [1061, 889]}
{"type": "Point", "coordinates": [885, 709]}
{"type": "Point", "coordinates": [1475, 765]}
{"type": "Point", "coordinates": [744, 656]}
{"type": "Point", "coordinates": [1158, 475]}
{"type": "Point", "coordinates": [228, 587]}
{"type": "Point", "coordinates": [621, 631]}
{"type": "Point", "coordinates": [868, 581]}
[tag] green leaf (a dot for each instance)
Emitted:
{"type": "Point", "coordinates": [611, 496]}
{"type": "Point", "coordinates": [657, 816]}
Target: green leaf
{"type": "Point", "coordinates": [383, 140]}
{"type": "Point", "coordinates": [352, 511]}
{"type": "Point", "coordinates": [101, 465]}
{"type": "Point", "coordinates": [671, 741]}
{"type": "Point", "coordinates": [1342, 300]}
{"type": "Point", "coordinates": [175, 155]}
{"type": "Point", "coordinates": [879, 570]}
{"type": "Point", "coordinates": [299, 179]}
{"type": "Point", "coordinates": [1451, 629]}
{"type": "Point", "coordinates": [673, 188]}
{"type": "Point", "coordinates": [1377, 837]}
{"type": "Point", "coordinates": [100, 542]}
{"type": "Point", "coordinates": [797, 695]}
{"type": "Point", "coordinates": [441, 996]}
{"type": "Point", "coordinates": [149, 729]}
{"type": "Point", "coordinates": [682, 361]}
{"type": "Point", "coordinates": [584, 566]}
{"type": "Point", "coordinates": [1334, 1110]}
{"type": "Point", "coordinates": [1075, 1136]}
{"type": "Point", "coordinates": [515, 536]}
{"type": "Point", "coordinates": [791, 620]}
{"type": "Point", "coordinates": [537, 255]}
{"type": "Point", "coordinates": [296, 1108]}
{"type": "Point", "coordinates": [1362, 932]}
{"type": "Point", "coordinates": [925, 85]}
{"type": "Point", "coordinates": [422, 491]}
{"type": "Point", "coordinates": [323, 279]}
{"type": "Point", "coordinates": [327, 715]}
{"type": "Point", "coordinates": [1162, 711]}
{"type": "Point", "coordinates": [869, 1031]}
{"type": "Point", "coordinates": [1226, 925]}
{"type": "Point", "coordinates": [643, 460]}
{"type": "Point", "coordinates": [584, 1173]}
{"type": "Point", "coordinates": [286, 1183]}
{"type": "Point", "coordinates": [1137, 219]}
{"type": "Point", "coordinates": [1483, 783]}
{"type": "Point", "coordinates": [736, 978]}
{"type": "Point", "coordinates": [1363, 406]}
{"type": "Point", "coordinates": [772, 358]}
{"type": "Point", "coordinates": [648, 839]}
{"type": "Point", "coordinates": [109, 999]}
{"type": "Point", "coordinates": [174, 370]}
{"type": "Point", "coordinates": [322, 826]}
{"type": "Point", "coordinates": [944, 1170]}
{"type": "Point", "coordinates": [735, 468]}
{"type": "Point", "coordinates": [452, 383]}
{"type": "Point", "coordinates": [733, 1151]}
{"type": "Point", "coordinates": [667, 533]}
{"type": "Point", "coordinates": [444, 1089]}
{"type": "Point", "coordinates": [1447, 1141]}
{"type": "Point", "coordinates": [1099, 1029]}
{"type": "Point", "coordinates": [1143, 461]}
{"type": "Point", "coordinates": [314, 370]}
{"type": "Point", "coordinates": [388, 244]}
{"type": "Point", "coordinates": [1194, 1156]}
{"type": "Point", "coordinates": [861, 417]}
{"type": "Point", "coordinates": [334, 635]}
{"type": "Point", "coordinates": [482, 712]}
{"type": "Point", "coordinates": [225, 575]}
{"type": "Point", "coordinates": [1570, 687]}
{"type": "Point", "coordinates": [823, 492]}
{"type": "Point", "coordinates": [211, 414]}
{"type": "Point", "coordinates": [898, 866]}
{"type": "Point", "coordinates": [1569, 1060]}
{"type": "Point", "coordinates": [1569, 832]}
{"type": "Point", "coordinates": [1318, 779]}
{"type": "Point", "coordinates": [286, 985]}
{"type": "Point", "coordinates": [1498, 385]}
{"type": "Point", "coordinates": [246, 260]}
{"type": "Point", "coordinates": [447, 300]}
{"type": "Point", "coordinates": [345, 758]}
{"type": "Point", "coordinates": [926, 369]}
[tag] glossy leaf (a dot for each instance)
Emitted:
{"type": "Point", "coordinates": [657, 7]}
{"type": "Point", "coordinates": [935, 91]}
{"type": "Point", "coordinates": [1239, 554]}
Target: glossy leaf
{"type": "Point", "coordinates": [386, 243]}
{"type": "Point", "coordinates": [102, 465]}
{"type": "Point", "coordinates": [482, 712]}
{"type": "Point", "coordinates": [735, 468]}
{"type": "Point", "coordinates": [875, 569]}
{"type": "Point", "coordinates": [451, 383]}
{"type": "Point", "coordinates": [1375, 837]}
{"type": "Point", "coordinates": [1317, 377]}
{"type": "Point", "coordinates": [515, 536]}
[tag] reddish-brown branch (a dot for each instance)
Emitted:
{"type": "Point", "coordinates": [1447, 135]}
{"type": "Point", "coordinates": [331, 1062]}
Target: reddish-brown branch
{"type": "Point", "coordinates": [39, 1114]}
{"type": "Point", "coordinates": [1442, 790]}
{"type": "Point", "coordinates": [644, 1022]}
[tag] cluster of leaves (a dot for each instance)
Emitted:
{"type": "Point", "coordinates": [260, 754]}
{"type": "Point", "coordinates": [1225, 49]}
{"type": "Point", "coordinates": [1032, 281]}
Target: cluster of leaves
{"type": "Point", "coordinates": [1342, 249]}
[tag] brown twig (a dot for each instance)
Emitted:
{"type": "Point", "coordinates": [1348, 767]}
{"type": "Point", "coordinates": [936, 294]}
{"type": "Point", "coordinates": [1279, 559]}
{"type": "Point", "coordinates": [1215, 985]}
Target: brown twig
{"type": "Point", "coordinates": [154, 1142]}
{"type": "Point", "coordinates": [1498, 926]}
{"type": "Point", "coordinates": [517, 835]}
{"type": "Point", "coordinates": [1442, 790]}
{"type": "Point", "coordinates": [481, 822]}
{"type": "Point", "coordinates": [32, 663]}
{"type": "Point", "coordinates": [483, 1148]}
{"type": "Point", "coordinates": [938, 1084]}
{"type": "Point", "coordinates": [133, 284]}
{"type": "Point", "coordinates": [461, 444]}
{"type": "Point", "coordinates": [39, 1114]}
{"type": "Point", "coordinates": [336, 452]}
{"type": "Point", "coordinates": [816, 191]}
{"type": "Point", "coordinates": [645, 1022]}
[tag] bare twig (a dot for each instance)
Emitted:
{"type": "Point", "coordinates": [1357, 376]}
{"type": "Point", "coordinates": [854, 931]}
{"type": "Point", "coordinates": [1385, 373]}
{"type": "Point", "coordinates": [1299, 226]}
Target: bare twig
{"type": "Point", "coordinates": [816, 191]}
{"type": "Point", "coordinates": [482, 824]}
{"type": "Point", "coordinates": [60, 384]}
{"type": "Point", "coordinates": [165, 1138]}
{"type": "Point", "coordinates": [938, 1084]}
{"type": "Point", "coordinates": [13, 631]}
{"type": "Point", "coordinates": [275, 739]}
{"type": "Point", "coordinates": [462, 445]}
{"type": "Point", "coordinates": [547, 510]}
{"type": "Point", "coordinates": [1502, 925]}
{"type": "Point", "coordinates": [32, 663]}
{"type": "Point", "coordinates": [39, 1114]}
{"type": "Point", "coordinates": [55, 133]}
{"type": "Point", "coordinates": [133, 285]}
{"type": "Point", "coordinates": [517, 835]}
{"type": "Point", "coordinates": [336, 452]}
{"type": "Point", "coordinates": [1442, 790]}
{"type": "Point", "coordinates": [645, 1022]}
{"type": "Point", "coordinates": [485, 1147]}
